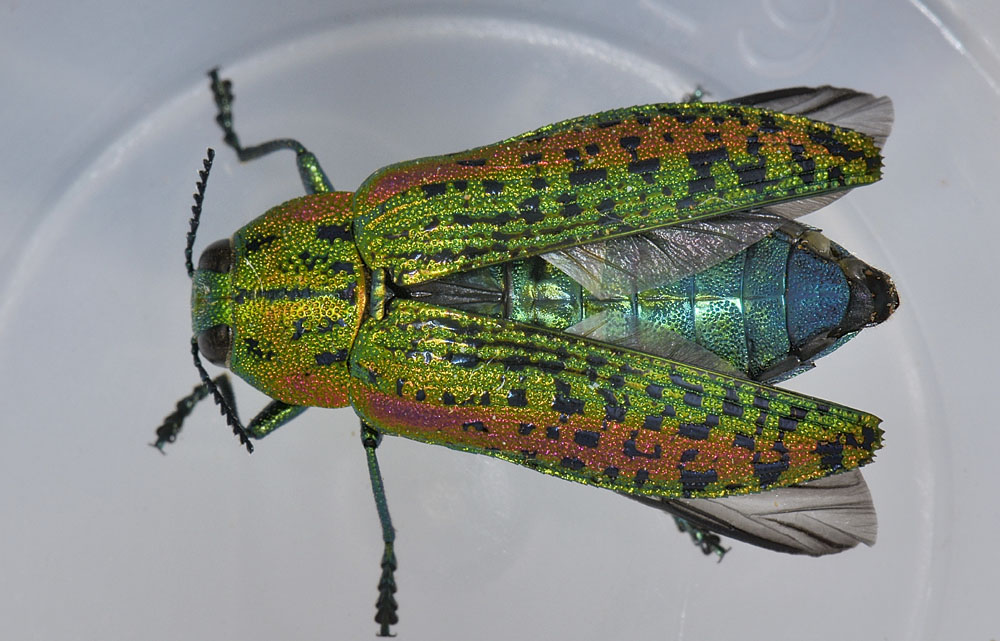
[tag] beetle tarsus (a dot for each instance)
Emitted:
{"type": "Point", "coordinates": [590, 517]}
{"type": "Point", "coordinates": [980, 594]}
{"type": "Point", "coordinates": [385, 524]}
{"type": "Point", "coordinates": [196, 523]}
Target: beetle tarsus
{"type": "Point", "coordinates": [386, 605]}
{"type": "Point", "coordinates": [704, 540]}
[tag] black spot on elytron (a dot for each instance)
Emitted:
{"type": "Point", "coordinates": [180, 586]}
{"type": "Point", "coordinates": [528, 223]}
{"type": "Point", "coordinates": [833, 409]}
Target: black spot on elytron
{"type": "Point", "coordinates": [831, 455]}
{"type": "Point", "coordinates": [399, 386]}
{"type": "Point", "coordinates": [448, 398]}
{"type": "Point", "coordinates": [605, 205]}
{"type": "Point", "coordinates": [616, 380]}
{"type": "Point", "coordinates": [420, 395]}
{"type": "Point", "coordinates": [654, 390]}
{"type": "Point", "coordinates": [531, 159]}
{"type": "Point", "coordinates": [434, 189]}
{"type": "Point", "coordinates": [668, 137]}
{"type": "Point", "coordinates": [769, 473]}
{"type": "Point", "coordinates": [643, 119]}
{"type": "Point", "coordinates": [712, 420]}
{"type": "Point", "coordinates": [631, 450]}
{"type": "Point", "coordinates": [753, 177]}
{"type": "Point", "coordinates": [612, 473]}
{"type": "Point", "coordinates": [692, 399]}
{"type": "Point", "coordinates": [333, 233]}
{"type": "Point", "coordinates": [641, 476]}
{"type": "Point", "coordinates": [460, 185]}
{"type": "Point", "coordinates": [572, 463]}
{"type": "Point", "coordinates": [484, 400]}
{"type": "Point", "coordinates": [693, 481]}
{"type": "Point", "coordinates": [647, 166]}
{"type": "Point", "coordinates": [551, 367]}
{"type": "Point", "coordinates": [708, 157]}
{"type": "Point", "coordinates": [666, 191]}
{"type": "Point", "coordinates": [525, 428]}
{"type": "Point", "coordinates": [572, 154]}
{"type": "Point", "coordinates": [329, 358]}
{"type": "Point", "coordinates": [631, 145]}
{"type": "Point", "coordinates": [653, 422]}
{"type": "Point", "coordinates": [564, 403]}
{"type": "Point", "coordinates": [471, 162]}
{"type": "Point", "coordinates": [552, 432]}
{"type": "Point", "coordinates": [571, 209]}
{"type": "Point", "coordinates": [300, 328]}
{"type": "Point", "coordinates": [835, 174]}
{"type": "Point", "coordinates": [592, 149]}
{"type": "Point", "coordinates": [467, 361]}
{"type": "Point", "coordinates": [614, 413]}
{"type": "Point", "coordinates": [698, 432]}
{"type": "Point", "coordinates": [492, 187]}
{"type": "Point", "coordinates": [340, 267]}
{"type": "Point", "coordinates": [679, 381]}
{"type": "Point", "coordinates": [587, 176]}
{"type": "Point", "coordinates": [823, 407]}
{"type": "Point", "coordinates": [745, 442]}
{"type": "Point", "coordinates": [257, 244]}
{"type": "Point", "coordinates": [868, 436]}
{"type": "Point", "coordinates": [517, 398]}
{"type": "Point", "coordinates": [768, 125]}
{"type": "Point", "coordinates": [685, 119]}
{"type": "Point", "coordinates": [515, 363]}
{"type": "Point", "coordinates": [596, 360]}
{"type": "Point", "coordinates": [688, 455]}
{"type": "Point", "coordinates": [780, 448]}
{"type": "Point", "coordinates": [609, 123]}
{"type": "Point", "coordinates": [700, 185]}
{"type": "Point", "coordinates": [787, 424]}
{"type": "Point", "coordinates": [586, 438]}
{"type": "Point", "coordinates": [761, 403]}
{"type": "Point", "coordinates": [753, 145]}
{"type": "Point", "coordinates": [686, 203]}
{"type": "Point", "coordinates": [539, 183]}
{"type": "Point", "coordinates": [474, 425]}
{"type": "Point", "coordinates": [712, 136]}
{"type": "Point", "coordinates": [798, 413]}
{"type": "Point", "coordinates": [529, 210]}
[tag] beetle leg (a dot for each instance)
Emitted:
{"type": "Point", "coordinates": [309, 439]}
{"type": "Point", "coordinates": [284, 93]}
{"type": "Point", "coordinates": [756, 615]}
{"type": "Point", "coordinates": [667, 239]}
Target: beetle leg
{"type": "Point", "coordinates": [172, 424]}
{"type": "Point", "coordinates": [385, 606]}
{"type": "Point", "coordinates": [272, 417]}
{"type": "Point", "coordinates": [706, 541]}
{"type": "Point", "coordinates": [313, 177]}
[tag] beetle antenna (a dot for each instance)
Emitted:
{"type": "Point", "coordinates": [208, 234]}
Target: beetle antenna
{"type": "Point", "coordinates": [199, 196]}
{"type": "Point", "coordinates": [224, 406]}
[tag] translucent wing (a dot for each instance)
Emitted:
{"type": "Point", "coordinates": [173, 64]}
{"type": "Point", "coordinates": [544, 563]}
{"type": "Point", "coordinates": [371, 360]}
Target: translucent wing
{"type": "Point", "coordinates": [816, 518]}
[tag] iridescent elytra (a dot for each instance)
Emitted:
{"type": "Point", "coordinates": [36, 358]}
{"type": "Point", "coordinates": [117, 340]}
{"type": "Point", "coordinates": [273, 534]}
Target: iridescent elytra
{"type": "Point", "coordinates": [495, 301]}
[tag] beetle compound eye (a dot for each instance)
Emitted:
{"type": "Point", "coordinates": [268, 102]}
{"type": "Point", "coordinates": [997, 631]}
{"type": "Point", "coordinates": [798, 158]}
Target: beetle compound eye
{"type": "Point", "coordinates": [215, 343]}
{"type": "Point", "coordinates": [217, 257]}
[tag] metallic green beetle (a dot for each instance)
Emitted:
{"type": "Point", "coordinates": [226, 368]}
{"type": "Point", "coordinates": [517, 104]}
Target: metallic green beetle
{"type": "Point", "coordinates": [408, 299]}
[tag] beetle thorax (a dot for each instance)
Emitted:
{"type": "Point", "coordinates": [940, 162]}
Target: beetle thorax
{"type": "Point", "coordinates": [295, 297]}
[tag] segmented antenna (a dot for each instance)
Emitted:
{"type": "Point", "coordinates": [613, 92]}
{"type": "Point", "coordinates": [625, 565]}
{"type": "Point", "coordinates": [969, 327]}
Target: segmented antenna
{"type": "Point", "coordinates": [224, 407]}
{"type": "Point", "coordinates": [199, 196]}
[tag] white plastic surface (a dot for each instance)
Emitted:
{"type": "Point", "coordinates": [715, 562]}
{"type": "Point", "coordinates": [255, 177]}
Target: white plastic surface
{"type": "Point", "coordinates": [105, 115]}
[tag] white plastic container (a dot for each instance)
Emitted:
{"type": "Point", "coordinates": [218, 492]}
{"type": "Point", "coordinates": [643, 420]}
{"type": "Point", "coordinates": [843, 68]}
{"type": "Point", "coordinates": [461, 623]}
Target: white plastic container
{"type": "Point", "coordinates": [106, 114]}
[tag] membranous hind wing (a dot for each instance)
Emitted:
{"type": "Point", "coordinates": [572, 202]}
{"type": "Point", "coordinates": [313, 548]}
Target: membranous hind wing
{"type": "Point", "coordinates": [600, 177]}
{"type": "Point", "coordinates": [591, 412]}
